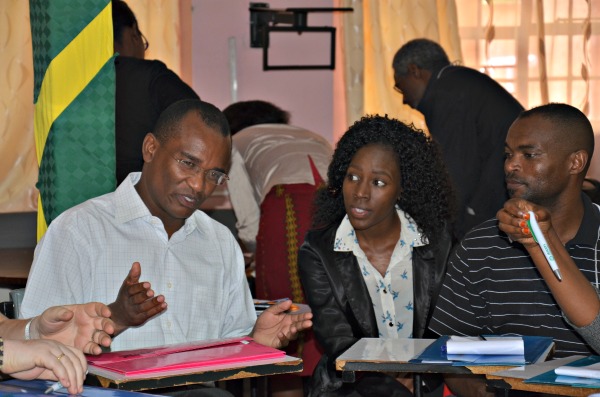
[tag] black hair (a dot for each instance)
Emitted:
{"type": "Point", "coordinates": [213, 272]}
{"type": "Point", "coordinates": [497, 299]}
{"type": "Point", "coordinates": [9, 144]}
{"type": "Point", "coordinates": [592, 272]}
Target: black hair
{"type": "Point", "coordinates": [424, 53]}
{"type": "Point", "coordinates": [122, 17]}
{"type": "Point", "coordinates": [426, 196]}
{"type": "Point", "coordinates": [574, 129]}
{"type": "Point", "coordinates": [244, 114]}
{"type": "Point", "coordinates": [169, 121]}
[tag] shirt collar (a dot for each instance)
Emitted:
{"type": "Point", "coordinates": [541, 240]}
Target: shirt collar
{"type": "Point", "coordinates": [130, 206]}
{"type": "Point", "coordinates": [345, 236]}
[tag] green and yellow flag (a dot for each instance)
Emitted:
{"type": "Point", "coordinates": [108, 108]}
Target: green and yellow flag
{"type": "Point", "coordinates": [74, 96]}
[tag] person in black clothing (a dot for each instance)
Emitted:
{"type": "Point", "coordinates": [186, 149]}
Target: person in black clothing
{"type": "Point", "coordinates": [469, 114]}
{"type": "Point", "coordinates": [377, 249]}
{"type": "Point", "coordinates": [144, 89]}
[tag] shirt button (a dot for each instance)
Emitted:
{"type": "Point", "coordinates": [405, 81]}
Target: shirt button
{"type": "Point", "coordinates": [169, 285]}
{"type": "Point", "coordinates": [168, 324]}
{"type": "Point", "coordinates": [385, 291]}
{"type": "Point", "coordinates": [391, 324]}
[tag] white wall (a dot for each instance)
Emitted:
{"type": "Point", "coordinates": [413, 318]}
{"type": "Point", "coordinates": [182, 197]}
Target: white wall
{"type": "Point", "coordinates": [306, 94]}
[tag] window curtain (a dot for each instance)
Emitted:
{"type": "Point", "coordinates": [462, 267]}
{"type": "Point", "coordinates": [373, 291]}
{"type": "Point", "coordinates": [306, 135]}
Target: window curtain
{"type": "Point", "coordinates": [539, 50]}
{"type": "Point", "coordinates": [18, 164]}
{"type": "Point", "coordinates": [371, 36]}
{"type": "Point", "coordinates": [171, 43]}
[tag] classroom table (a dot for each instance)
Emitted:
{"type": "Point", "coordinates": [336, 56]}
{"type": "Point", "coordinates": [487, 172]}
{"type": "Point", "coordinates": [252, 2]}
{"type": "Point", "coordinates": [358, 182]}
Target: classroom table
{"type": "Point", "coordinates": [393, 355]}
{"type": "Point", "coordinates": [214, 373]}
{"type": "Point", "coordinates": [388, 355]}
{"type": "Point", "coordinates": [36, 388]}
{"type": "Point", "coordinates": [502, 386]}
{"type": "Point", "coordinates": [513, 379]}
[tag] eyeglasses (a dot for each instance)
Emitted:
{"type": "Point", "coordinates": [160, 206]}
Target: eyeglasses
{"type": "Point", "coordinates": [397, 89]}
{"type": "Point", "coordinates": [192, 169]}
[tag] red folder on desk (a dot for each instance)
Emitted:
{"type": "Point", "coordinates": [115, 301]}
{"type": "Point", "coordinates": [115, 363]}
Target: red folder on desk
{"type": "Point", "coordinates": [184, 356]}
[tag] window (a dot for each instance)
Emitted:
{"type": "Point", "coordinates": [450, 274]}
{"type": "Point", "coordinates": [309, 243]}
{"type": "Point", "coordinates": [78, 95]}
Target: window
{"type": "Point", "coordinates": [500, 38]}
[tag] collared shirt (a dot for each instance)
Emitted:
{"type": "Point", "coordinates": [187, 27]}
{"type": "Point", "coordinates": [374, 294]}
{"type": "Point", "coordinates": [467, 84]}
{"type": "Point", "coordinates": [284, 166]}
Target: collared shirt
{"type": "Point", "coordinates": [493, 287]}
{"type": "Point", "coordinates": [392, 293]}
{"type": "Point", "coordinates": [87, 252]}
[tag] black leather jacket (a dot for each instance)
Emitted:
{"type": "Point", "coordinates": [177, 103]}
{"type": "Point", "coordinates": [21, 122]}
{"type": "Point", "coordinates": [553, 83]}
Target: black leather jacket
{"type": "Point", "coordinates": [341, 305]}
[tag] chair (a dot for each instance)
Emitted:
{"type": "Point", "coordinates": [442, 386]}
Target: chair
{"type": "Point", "coordinates": [16, 296]}
{"type": "Point", "coordinates": [12, 308]}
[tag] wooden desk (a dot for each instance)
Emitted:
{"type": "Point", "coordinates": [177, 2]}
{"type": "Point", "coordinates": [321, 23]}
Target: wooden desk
{"type": "Point", "coordinates": [502, 386]}
{"type": "Point", "coordinates": [393, 355]}
{"type": "Point", "coordinates": [505, 380]}
{"type": "Point", "coordinates": [15, 264]}
{"type": "Point", "coordinates": [208, 374]}
{"type": "Point", "coordinates": [390, 355]}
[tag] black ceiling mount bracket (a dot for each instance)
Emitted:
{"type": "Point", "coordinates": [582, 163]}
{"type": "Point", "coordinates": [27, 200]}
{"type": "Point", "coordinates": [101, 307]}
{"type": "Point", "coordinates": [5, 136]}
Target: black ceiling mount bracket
{"type": "Point", "coordinates": [264, 20]}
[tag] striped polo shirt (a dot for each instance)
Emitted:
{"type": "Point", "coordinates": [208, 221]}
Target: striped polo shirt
{"type": "Point", "coordinates": [493, 287]}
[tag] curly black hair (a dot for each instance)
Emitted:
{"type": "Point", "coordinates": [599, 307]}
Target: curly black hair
{"type": "Point", "coordinates": [426, 191]}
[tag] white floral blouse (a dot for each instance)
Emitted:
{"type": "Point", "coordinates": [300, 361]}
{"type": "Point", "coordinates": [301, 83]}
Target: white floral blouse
{"type": "Point", "coordinates": [391, 294]}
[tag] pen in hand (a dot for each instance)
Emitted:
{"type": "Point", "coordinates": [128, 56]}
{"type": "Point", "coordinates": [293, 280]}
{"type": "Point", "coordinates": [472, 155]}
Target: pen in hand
{"type": "Point", "coordinates": [54, 387]}
{"type": "Point", "coordinates": [539, 238]}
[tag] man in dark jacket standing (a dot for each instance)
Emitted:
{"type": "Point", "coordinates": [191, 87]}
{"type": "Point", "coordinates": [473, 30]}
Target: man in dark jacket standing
{"type": "Point", "coordinates": [469, 114]}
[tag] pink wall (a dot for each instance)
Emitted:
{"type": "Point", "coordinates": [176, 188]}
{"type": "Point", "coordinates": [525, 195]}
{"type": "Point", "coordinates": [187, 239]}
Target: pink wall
{"type": "Point", "coordinates": [306, 94]}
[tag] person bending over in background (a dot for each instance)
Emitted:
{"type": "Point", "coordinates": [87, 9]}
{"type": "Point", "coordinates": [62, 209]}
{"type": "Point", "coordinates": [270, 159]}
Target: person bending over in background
{"type": "Point", "coordinates": [276, 167]}
{"type": "Point", "coordinates": [468, 113]}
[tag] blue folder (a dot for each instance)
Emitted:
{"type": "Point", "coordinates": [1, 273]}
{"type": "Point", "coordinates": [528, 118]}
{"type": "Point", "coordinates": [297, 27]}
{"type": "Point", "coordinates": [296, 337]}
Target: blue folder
{"type": "Point", "coordinates": [36, 388]}
{"type": "Point", "coordinates": [551, 378]}
{"type": "Point", "coordinates": [535, 347]}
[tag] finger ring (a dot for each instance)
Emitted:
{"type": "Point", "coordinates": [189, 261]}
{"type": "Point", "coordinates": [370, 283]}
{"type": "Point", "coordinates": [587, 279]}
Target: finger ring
{"type": "Point", "coordinates": [61, 356]}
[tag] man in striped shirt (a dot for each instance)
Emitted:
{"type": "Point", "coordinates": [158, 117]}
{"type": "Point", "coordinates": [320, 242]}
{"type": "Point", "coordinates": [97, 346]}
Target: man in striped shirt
{"type": "Point", "coordinates": [492, 285]}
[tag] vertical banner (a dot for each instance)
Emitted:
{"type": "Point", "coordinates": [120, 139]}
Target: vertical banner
{"type": "Point", "coordinates": [74, 97]}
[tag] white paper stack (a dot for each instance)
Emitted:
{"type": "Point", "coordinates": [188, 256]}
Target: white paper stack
{"type": "Point", "coordinates": [492, 346]}
{"type": "Point", "coordinates": [589, 371]}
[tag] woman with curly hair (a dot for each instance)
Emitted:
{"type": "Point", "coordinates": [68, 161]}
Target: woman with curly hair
{"type": "Point", "coordinates": [374, 261]}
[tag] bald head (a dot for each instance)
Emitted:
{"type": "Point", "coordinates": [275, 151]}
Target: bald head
{"type": "Point", "coordinates": [425, 53]}
{"type": "Point", "coordinates": [572, 129]}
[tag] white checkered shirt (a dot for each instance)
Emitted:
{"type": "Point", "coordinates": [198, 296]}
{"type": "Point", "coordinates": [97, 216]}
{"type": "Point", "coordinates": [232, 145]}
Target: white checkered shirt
{"type": "Point", "coordinates": [88, 250]}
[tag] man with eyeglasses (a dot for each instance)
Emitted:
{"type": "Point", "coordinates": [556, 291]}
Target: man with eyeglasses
{"type": "Point", "coordinates": [469, 114]}
{"type": "Point", "coordinates": [144, 88]}
{"type": "Point", "coordinates": [152, 221]}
